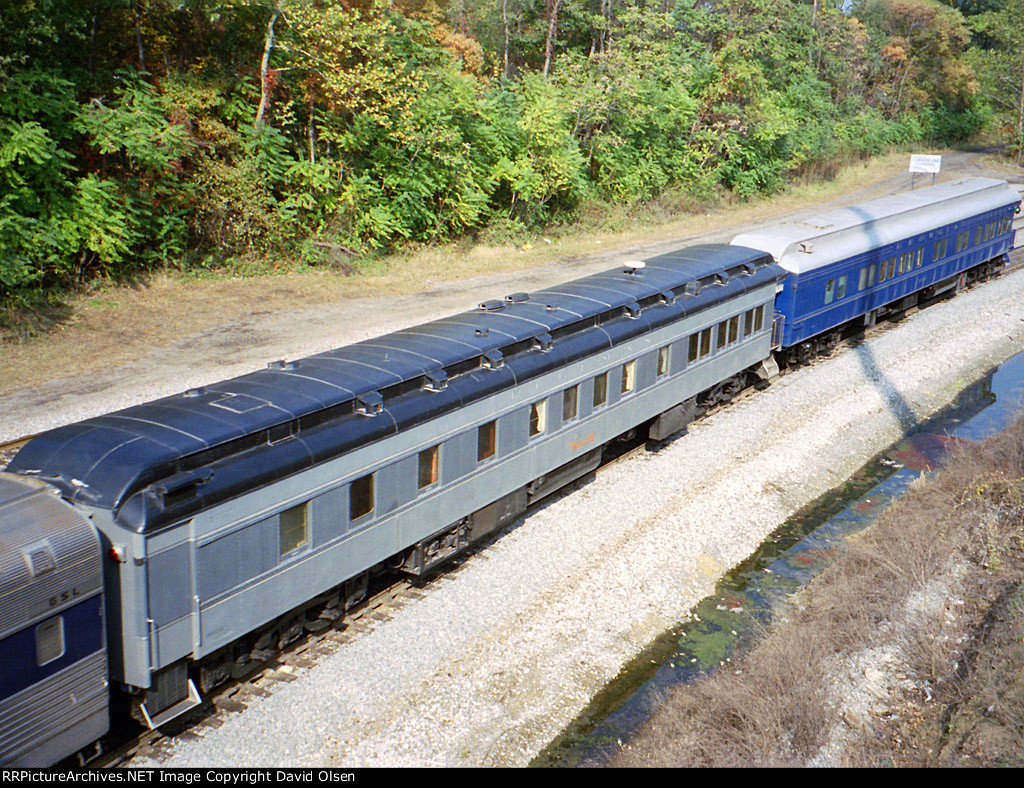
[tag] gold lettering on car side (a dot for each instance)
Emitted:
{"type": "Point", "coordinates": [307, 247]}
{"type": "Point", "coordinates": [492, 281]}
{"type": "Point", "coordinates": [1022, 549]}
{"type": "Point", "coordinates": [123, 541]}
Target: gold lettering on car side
{"type": "Point", "coordinates": [573, 445]}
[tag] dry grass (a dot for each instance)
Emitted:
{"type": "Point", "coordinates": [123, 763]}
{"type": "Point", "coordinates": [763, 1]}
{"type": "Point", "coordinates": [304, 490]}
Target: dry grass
{"type": "Point", "coordinates": [970, 666]}
{"type": "Point", "coordinates": [889, 593]}
{"type": "Point", "coordinates": [768, 712]}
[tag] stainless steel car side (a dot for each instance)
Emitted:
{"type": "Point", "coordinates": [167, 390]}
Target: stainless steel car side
{"type": "Point", "coordinates": [53, 666]}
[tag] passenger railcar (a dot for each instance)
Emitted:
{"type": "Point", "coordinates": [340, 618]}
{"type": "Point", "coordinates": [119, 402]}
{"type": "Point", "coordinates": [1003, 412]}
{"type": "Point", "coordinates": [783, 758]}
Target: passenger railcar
{"type": "Point", "coordinates": [230, 508]}
{"type": "Point", "coordinates": [232, 517]}
{"type": "Point", "coordinates": [858, 263]}
{"type": "Point", "coordinates": [53, 656]}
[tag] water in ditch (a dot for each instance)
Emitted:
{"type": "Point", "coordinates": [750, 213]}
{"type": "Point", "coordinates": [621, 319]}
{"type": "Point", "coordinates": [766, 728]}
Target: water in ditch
{"type": "Point", "coordinates": [746, 599]}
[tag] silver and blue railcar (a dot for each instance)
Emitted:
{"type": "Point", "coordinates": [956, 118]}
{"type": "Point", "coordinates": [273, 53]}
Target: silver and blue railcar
{"type": "Point", "coordinates": [240, 513]}
{"type": "Point", "coordinates": [53, 656]}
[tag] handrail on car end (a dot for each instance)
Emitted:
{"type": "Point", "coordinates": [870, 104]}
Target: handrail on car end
{"type": "Point", "coordinates": [778, 324]}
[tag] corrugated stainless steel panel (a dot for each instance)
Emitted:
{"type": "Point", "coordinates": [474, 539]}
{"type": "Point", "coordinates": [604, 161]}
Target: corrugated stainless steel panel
{"type": "Point", "coordinates": [12, 487]}
{"type": "Point", "coordinates": [56, 717]}
{"type": "Point", "coordinates": [41, 520]}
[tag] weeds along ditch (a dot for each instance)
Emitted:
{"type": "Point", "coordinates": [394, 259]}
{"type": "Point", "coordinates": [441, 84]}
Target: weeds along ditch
{"type": "Point", "coordinates": [727, 717]}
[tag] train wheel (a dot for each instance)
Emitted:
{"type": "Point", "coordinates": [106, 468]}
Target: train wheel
{"type": "Point", "coordinates": [724, 391]}
{"type": "Point", "coordinates": [265, 647]}
{"type": "Point", "coordinates": [730, 388]}
{"type": "Point", "coordinates": [355, 590]}
{"type": "Point", "coordinates": [319, 617]}
{"type": "Point", "coordinates": [242, 666]}
{"type": "Point", "coordinates": [803, 353]}
{"type": "Point", "coordinates": [829, 342]}
{"type": "Point", "coordinates": [213, 672]}
{"type": "Point", "coordinates": [290, 632]}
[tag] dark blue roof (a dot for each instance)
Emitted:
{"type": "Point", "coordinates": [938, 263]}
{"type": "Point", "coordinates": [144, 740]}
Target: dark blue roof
{"type": "Point", "coordinates": [225, 438]}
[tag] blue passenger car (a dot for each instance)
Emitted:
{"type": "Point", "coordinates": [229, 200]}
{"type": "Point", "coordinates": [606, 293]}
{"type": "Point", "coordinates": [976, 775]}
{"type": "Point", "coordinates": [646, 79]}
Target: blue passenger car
{"type": "Point", "coordinates": [859, 262]}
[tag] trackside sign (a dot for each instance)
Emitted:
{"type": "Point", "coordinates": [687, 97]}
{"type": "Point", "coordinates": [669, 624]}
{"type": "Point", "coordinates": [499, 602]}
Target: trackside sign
{"type": "Point", "coordinates": [919, 163]}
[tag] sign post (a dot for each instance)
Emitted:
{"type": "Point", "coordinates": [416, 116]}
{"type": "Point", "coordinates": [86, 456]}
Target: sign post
{"type": "Point", "coordinates": [921, 163]}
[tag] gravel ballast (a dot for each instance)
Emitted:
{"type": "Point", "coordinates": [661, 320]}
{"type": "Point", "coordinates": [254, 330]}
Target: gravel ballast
{"type": "Point", "coordinates": [502, 654]}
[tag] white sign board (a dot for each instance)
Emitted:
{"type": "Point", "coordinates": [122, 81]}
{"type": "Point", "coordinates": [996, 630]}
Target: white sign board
{"type": "Point", "coordinates": [919, 163]}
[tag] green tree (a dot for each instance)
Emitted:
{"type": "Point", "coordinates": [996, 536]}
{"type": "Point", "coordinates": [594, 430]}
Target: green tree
{"type": "Point", "coordinates": [1000, 68]}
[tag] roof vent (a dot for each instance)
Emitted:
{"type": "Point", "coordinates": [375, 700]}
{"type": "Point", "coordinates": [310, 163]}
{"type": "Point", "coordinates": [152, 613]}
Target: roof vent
{"type": "Point", "coordinates": [280, 432]}
{"type": "Point", "coordinates": [281, 365]}
{"type": "Point", "coordinates": [197, 392]}
{"type": "Point", "coordinates": [369, 404]}
{"type": "Point", "coordinates": [517, 298]}
{"type": "Point", "coordinates": [550, 307]}
{"type": "Point", "coordinates": [436, 380]}
{"type": "Point", "coordinates": [634, 267]}
{"type": "Point", "coordinates": [491, 306]}
{"type": "Point", "coordinates": [482, 332]}
{"type": "Point", "coordinates": [180, 487]}
{"type": "Point", "coordinates": [806, 248]}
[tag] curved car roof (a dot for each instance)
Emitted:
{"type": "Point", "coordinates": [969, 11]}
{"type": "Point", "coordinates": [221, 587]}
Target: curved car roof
{"type": "Point", "coordinates": [305, 411]}
{"type": "Point", "coordinates": [803, 246]}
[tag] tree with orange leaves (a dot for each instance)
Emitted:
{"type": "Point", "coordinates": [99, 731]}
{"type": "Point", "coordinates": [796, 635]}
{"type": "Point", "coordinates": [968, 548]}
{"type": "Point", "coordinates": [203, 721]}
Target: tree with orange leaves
{"type": "Point", "coordinates": [920, 54]}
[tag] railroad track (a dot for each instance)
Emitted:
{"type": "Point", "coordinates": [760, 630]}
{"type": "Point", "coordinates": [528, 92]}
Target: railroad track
{"type": "Point", "coordinates": [235, 696]}
{"type": "Point", "coordinates": [9, 448]}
